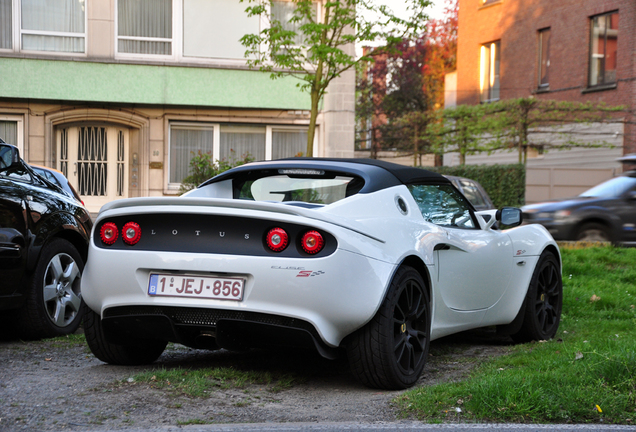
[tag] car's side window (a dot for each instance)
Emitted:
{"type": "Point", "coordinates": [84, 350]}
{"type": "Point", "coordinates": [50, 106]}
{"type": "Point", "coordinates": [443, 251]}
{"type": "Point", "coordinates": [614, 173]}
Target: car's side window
{"type": "Point", "coordinates": [472, 193]}
{"type": "Point", "coordinates": [443, 205]}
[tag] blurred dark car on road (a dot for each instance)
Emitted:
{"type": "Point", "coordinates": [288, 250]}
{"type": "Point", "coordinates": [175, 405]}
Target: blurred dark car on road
{"type": "Point", "coordinates": [44, 235]}
{"type": "Point", "coordinates": [606, 212]}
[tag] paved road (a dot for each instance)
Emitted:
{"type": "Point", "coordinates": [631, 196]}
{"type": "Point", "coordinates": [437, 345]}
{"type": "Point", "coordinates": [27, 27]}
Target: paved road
{"type": "Point", "coordinates": [389, 427]}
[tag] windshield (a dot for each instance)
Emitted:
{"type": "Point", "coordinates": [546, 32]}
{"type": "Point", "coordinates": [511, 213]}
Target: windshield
{"type": "Point", "coordinates": [612, 188]}
{"type": "Point", "coordinates": [283, 187]}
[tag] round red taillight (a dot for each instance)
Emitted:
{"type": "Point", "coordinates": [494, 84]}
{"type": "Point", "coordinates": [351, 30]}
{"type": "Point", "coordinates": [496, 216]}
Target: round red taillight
{"type": "Point", "coordinates": [131, 233]}
{"type": "Point", "coordinates": [277, 239]}
{"type": "Point", "coordinates": [109, 233]}
{"type": "Point", "coordinates": [312, 242]}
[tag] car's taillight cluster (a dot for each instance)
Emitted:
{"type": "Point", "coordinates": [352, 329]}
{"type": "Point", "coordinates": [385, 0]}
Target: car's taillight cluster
{"type": "Point", "coordinates": [214, 236]}
{"type": "Point", "coordinates": [277, 240]}
{"type": "Point", "coordinates": [130, 233]}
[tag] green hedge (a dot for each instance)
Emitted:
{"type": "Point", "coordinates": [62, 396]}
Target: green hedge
{"type": "Point", "coordinates": [505, 184]}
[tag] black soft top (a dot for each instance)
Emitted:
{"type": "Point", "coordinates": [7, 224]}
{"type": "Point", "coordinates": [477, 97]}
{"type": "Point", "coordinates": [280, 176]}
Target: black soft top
{"type": "Point", "coordinates": [377, 174]}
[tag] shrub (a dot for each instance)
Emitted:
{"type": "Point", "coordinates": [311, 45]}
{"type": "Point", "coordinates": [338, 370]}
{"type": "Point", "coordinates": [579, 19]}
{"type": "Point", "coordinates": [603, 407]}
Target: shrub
{"type": "Point", "coordinates": [202, 168]}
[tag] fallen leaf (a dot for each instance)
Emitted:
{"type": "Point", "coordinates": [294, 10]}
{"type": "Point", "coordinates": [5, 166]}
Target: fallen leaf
{"type": "Point", "coordinates": [594, 298]}
{"type": "Point", "coordinates": [48, 359]}
{"type": "Point", "coordinates": [598, 408]}
{"type": "Point", "coordinates": [579, 356]}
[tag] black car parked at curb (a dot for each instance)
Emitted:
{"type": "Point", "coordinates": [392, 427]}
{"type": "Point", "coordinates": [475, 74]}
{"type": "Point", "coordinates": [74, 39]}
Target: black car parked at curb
{"type": "Point", "coordinates": [606, 213]}
{"type": "Point", "coordinates": [44, 236]}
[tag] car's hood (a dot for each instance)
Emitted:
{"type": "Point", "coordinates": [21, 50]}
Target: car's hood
{"type": "Point", "coordinates": [134, 205]}
{"type": "Point", "coordinates": [569, 203]}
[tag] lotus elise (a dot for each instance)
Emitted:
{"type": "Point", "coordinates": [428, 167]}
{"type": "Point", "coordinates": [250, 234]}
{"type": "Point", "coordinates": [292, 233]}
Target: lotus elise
{"type": "Point", "coordinates": [345, 256]}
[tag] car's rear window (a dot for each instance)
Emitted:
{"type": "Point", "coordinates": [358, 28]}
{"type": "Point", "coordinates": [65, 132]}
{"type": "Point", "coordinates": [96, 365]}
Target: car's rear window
{"type": "Point", "coordinates": [300, 186]}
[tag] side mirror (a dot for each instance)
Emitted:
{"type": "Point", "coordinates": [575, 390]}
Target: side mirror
{"type": "Point", "coordinates": [9, 156]}
{"type": "Point", "coordinates": [509, 216]}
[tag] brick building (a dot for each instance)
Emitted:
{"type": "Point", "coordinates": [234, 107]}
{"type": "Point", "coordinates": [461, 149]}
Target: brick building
{"type": "Point", "coordinates": [575, 50]}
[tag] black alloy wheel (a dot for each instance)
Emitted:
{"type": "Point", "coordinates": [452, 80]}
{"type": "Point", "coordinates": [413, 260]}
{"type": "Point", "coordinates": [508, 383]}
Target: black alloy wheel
{"type": "Point", "coordinates": [391, 350]}
{"type": "Point", "coordinates": [410, 328]}
{"type": "Point", "coordinates": [543, 302]}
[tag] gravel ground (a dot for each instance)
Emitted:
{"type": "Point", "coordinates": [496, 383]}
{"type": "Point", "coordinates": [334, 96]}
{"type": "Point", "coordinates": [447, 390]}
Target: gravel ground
{"type": "Point", "coordinates": [56, 385]}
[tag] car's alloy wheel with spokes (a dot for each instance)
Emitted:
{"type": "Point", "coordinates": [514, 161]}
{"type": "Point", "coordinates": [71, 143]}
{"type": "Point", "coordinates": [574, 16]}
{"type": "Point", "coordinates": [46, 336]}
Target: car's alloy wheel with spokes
{"type": "Point", "coordinates": [543, 301]}
{"type": "Point", "coordinates": [54, 304]}
{"type": "Point", "coordinates": [391, 350]}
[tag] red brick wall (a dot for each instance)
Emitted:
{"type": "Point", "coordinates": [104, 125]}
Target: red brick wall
{"type": "Point", "coordinates": [516, 24]}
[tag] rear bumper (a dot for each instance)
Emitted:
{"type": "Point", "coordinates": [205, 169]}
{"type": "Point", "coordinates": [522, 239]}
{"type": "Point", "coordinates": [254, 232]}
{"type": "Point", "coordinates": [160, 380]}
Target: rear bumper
{"type": "Point", "coordinates": [334, 295]}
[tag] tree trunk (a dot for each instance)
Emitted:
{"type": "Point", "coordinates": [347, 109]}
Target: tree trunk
{"type": "Point", "coordinates": [315, 100]}
{"type": "Point", "coordinates": [415, 146]}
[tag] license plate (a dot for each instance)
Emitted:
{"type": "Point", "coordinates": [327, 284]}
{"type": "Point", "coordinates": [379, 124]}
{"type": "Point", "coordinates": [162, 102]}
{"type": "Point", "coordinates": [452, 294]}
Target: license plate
{"type": "Point", "coordinates": [218, 288]}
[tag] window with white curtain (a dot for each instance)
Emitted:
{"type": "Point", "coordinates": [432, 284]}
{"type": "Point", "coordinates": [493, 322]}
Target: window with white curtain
{"type": "Point", "coordinates": [288, 142]}
{"type": "Point", "coordinates": [231, 143]}
{"type": "Point", "coordinates": [12, 131]}
{"type": "Point", "coordinates": [240, 141]}
{"type": "Point", "coordinates": [6, 24]}
{"type": "Point", "coordinates": [9, 131]}
{"type": "Point", "coordinates": [283, 11]}
{"type": "Point", "coordinates": [53, 25]}
{"type": "Point", "coordinates": [144, 27]}
{"type": "Point", "coordinates": [186, 140]}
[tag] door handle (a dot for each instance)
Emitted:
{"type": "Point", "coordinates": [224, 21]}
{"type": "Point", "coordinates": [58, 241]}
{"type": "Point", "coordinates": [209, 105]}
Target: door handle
{"type": "Point", "coordinates": [10, 251]}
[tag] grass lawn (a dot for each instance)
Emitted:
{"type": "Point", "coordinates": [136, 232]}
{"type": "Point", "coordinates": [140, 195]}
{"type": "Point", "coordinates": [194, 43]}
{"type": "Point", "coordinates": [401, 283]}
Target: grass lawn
{"type": "Point", "coordinates": [587, 374]}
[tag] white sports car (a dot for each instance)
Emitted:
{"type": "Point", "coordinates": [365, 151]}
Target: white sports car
{"type": "Point", "coordinates": [340, 255]}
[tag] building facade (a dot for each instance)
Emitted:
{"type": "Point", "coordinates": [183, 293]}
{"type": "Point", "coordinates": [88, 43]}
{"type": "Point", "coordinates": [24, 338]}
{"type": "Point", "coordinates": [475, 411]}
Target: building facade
{"type": "Point", "coordinates": [568, 50]}
{"type": "Point", "coordinates": [118, 94]}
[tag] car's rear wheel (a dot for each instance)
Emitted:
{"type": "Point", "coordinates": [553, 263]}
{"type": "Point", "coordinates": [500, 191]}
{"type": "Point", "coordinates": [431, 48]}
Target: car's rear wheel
{"type": "Point", "coordinates": [593, 232]}
{"type": "Point", "coordinates": [543, 301]}
{"type": "Point", "coordinates": [391, 350]}
{"type": "Point", "coordinates": [131, 354]}
{"type": "Point", "coordinates": [54, 304]}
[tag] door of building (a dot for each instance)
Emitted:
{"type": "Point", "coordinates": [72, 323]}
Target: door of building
{"type": "Point", "coordinates": [94, 158]}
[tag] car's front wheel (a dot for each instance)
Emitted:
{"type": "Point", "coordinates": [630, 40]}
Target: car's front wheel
{"type": "Point", "coordinates": [54, 304]}
{"type": "Point", "coordinates": [391, 350]}
{"type": "Point", "coordinates": [543, 301]}
{"type": "Point", "coordinates": [130, 354]}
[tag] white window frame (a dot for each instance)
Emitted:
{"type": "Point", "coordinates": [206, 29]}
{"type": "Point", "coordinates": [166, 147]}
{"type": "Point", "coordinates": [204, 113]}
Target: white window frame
{"type": "Point", "coordinates": [176, 40]}
{"type": "Point", "coordinates": [172, 188]}
{"type": "Point", "coordinates": [20, 126]}
{"type": "Point", "coordinates": [17, 32]}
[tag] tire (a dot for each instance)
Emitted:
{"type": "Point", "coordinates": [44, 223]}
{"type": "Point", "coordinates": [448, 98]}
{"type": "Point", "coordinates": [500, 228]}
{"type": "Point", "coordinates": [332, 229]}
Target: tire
{"type": "Point", "coordinates": [54, 305]}
{"type": "Point", "coordinates": [391, 350]}
{"type": "Point", "coordinates": [133, 354]}
{"type": "Point", "coordinates": [593, 232]}
{"type": "Point", "coordinates": [543, 302]}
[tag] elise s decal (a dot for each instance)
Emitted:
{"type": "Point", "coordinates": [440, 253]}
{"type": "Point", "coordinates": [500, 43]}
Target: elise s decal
{"type": "Point", "coordinates": [301, 271]}
{"type": "Point", "coordinates": [520, 252]}
{"type": "Point", "coordinates": [309, 273]}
